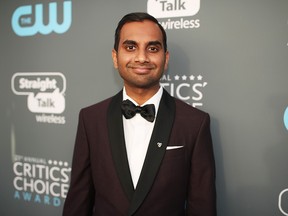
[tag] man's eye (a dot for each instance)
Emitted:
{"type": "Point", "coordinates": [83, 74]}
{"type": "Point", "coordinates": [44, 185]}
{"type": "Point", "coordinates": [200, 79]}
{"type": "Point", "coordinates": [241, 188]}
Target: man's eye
{"type": "Point", "coordinates": [130, 47]}
{"type": "Point", "coordinates": [153, 49]}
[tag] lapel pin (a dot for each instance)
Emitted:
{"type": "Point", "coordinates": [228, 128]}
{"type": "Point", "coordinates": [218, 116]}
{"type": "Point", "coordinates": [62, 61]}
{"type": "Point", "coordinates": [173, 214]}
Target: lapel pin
{"type": "Point", "coordinates": [159, 144]}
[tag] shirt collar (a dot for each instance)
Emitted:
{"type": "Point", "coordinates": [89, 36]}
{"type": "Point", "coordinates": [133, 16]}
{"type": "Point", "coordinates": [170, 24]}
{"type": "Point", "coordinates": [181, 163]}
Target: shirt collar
{"type": "Point", "coordinates": [155, 99]}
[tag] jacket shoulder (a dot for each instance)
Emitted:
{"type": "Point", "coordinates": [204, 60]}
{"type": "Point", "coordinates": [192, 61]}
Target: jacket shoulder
{"type": "Point", "coordinates": [102, 105]}
{"type": "Point", "coordinates": [185, 109]}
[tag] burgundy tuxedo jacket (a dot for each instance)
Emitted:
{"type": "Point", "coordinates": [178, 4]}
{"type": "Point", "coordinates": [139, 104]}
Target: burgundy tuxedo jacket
{"type": "Point", "coordinates": [173, 182]}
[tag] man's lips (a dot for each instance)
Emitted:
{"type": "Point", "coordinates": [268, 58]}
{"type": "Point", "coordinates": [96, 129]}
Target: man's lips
{"type": "Point", "coordinates": [141, 69]}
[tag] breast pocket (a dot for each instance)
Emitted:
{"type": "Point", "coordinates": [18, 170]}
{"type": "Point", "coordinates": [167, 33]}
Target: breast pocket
{"type": "Point", "coordinates": [174, 152]}
{"type": "Point", "coordinates": [173, 169]}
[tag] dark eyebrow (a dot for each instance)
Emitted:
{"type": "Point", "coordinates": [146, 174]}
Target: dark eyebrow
{"type": "Point", "coordinates": [155, 43]}
{"type": "Point", "coordinates": [150, 43]}
{"type": "Point", "coordinates": [130, 42]}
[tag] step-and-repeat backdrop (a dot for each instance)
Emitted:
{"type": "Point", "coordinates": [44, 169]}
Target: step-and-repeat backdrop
{"type": "Point", "coordinates": [228, 57]}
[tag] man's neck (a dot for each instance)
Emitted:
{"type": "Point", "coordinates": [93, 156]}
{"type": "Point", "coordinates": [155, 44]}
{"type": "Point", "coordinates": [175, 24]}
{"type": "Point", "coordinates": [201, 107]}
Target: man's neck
{"type": "Point", "coordinates": [141, 95]}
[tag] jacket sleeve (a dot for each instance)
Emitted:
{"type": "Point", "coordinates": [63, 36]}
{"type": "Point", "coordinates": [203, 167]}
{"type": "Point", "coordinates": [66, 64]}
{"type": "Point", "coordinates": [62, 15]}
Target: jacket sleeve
{"type": "Point", "coordinates": [202, 193]}
{"type": "Point", "coordinates": [80, 197]}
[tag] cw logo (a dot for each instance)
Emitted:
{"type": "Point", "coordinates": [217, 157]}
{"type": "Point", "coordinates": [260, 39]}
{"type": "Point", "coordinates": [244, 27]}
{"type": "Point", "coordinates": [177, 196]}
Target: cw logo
{"type": "Point", "coordinates": [28, 22]}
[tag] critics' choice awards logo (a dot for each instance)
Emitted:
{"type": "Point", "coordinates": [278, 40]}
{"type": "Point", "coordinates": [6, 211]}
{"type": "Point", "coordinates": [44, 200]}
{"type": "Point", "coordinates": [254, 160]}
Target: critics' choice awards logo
{"type": "Point", "coordinates": [188, 88]}
{"type": "Point", "coordinates": [177, 12]}
{"type": "Point", "coordinates": [28, 20]}
{"type": "Point", "coordinates": [40, 181]}
{"type": "Point", "coordinates": [45, 94]}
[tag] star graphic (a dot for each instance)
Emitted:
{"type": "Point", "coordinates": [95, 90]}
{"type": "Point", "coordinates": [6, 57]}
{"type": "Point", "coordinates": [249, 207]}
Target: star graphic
{"type": "Point", "coordinates": [184, 77]}
{"type": "Point", "coordinates": [176, 77]}
{"type": "Point", "coordinates": [199, 77]}
{"type": "Point", "coordinates": [192, 77]}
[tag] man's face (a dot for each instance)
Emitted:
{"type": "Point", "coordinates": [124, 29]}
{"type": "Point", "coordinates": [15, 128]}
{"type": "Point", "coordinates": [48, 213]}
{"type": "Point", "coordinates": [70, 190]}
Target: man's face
{"type": "Point", "coordinates": [141, 59]}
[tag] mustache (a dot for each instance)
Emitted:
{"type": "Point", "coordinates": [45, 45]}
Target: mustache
{"type": "Point", "coordinates": [144, 65]}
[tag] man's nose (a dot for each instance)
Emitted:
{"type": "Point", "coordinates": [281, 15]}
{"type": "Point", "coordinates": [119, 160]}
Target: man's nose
{"type": "Point", "coordinates": [141, 56]}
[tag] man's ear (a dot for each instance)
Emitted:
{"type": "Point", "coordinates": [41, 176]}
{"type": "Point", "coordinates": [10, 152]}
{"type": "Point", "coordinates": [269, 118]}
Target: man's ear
{"type": "Point", "coordinates": [167, 56]}
{"type": "Point", "coordinates": [114, 58]}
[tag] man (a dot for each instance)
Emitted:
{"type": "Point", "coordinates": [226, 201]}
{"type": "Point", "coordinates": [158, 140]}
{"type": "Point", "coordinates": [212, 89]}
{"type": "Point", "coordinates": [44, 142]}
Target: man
{"type": "Point", "coordinates": [124, 164]}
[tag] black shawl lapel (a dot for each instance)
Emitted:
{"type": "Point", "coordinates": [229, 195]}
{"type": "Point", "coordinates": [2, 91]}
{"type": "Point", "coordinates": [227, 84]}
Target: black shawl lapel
{"type": "Point", "coordinates": [156, 150]}
{"type": "Point", "coordinates": [118, 147]}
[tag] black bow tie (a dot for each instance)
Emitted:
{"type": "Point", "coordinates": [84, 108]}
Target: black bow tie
{"type": "Point", "coordinates": [129, 110]}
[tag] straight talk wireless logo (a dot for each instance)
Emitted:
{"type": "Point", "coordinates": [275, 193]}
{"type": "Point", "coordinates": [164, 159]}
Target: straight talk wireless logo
{"type": "Point", "coordinates": [45, 94]}
{"type": "Point", "coordinates": [176, 13]}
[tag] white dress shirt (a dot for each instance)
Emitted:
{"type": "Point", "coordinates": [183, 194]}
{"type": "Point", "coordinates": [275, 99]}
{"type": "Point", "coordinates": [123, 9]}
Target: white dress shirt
{"type": "Point", "coordinates": [137, 133]}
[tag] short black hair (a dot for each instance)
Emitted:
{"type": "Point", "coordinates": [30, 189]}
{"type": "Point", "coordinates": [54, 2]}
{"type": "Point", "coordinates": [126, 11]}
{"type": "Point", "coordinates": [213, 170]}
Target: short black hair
{"type": "Point", "coordinates": [137, 17]}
